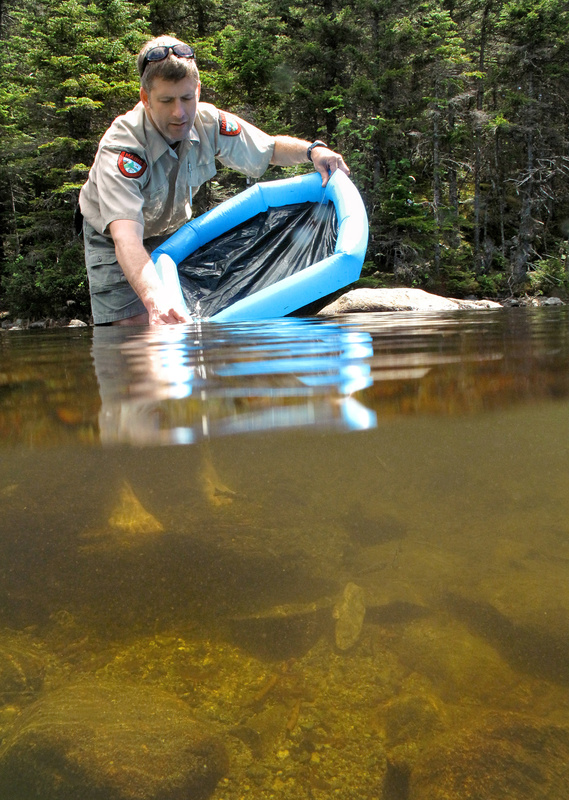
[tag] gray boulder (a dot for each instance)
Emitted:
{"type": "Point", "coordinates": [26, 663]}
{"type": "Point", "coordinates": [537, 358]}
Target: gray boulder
{"type": "Point", "coordinates": [500, 756]}
{"type": "Point", "coordinates": [110, 741]}
{"type": "Point", "coordinates": [359, 300]}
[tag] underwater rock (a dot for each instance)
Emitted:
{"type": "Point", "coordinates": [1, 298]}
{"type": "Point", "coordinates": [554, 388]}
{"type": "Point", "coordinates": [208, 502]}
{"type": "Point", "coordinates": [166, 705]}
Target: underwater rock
{"type": "Point", "coordinates": [130, 525]}
{"type": "Point", "coordinates": [214, 489]}
{"type": "Point", "coordinates": [408, 723]}
{"type": "Point", "coordinates": [262, 731]}
{"type": "Point", "coordinates": [349, 613]}
{"type": "Point", "coordinates": [130, 517]}
{"type": "Point", "coordinates": [110, 740]}
{"type": "Point", "coordinates": [23, 666]}
{"type": "Point", "coordinates": [458, 663]}
{"type": "Point", "coordinates": [502, 755]}
{"type": "Point", "coordinates": [285, 631]}
{"type": "Point", "coordinates": [411, 718]}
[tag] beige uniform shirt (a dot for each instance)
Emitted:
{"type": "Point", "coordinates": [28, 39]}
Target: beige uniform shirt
{"type": "Point", "coordinates": [136, 175]}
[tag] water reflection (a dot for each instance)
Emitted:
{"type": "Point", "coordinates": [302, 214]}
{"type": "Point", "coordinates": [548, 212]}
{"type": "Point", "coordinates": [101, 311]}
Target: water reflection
{"type": "Point", "coordinates": [178, 385]}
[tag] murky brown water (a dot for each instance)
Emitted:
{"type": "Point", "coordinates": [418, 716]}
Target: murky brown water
{"type": "Point", "coordinates": [343, 546]}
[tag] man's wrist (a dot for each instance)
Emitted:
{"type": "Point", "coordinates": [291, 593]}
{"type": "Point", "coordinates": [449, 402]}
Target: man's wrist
{"type": "Point", "coordinates": [311, 147]}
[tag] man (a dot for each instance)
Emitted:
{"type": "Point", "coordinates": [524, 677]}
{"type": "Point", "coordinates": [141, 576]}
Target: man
{"type": "Point", "coordinates": [149, 163]}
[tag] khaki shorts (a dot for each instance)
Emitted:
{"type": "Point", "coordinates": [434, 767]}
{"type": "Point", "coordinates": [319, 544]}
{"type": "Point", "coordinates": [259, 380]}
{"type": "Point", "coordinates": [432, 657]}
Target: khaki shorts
{"type": "Point", "coordinates": [112, 296]}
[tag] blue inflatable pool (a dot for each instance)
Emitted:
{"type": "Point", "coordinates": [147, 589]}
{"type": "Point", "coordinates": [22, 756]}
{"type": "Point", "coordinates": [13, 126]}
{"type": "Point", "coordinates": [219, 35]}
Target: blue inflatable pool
{"type": "Point", "coordinates": [320, 249]}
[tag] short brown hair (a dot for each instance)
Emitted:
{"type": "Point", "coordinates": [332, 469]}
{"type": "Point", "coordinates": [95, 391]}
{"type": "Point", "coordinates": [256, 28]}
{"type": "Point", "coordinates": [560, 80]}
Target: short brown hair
{"type": "Point", "coordinates": [171, 68]}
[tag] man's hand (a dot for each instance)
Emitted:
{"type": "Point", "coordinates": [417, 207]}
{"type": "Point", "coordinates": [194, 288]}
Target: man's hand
{"type": "Point", "coordinates": [141, 273]}
{"type": "Point", "coordinates": [289, 151]}
{"type": "Point", "coordinates": [161, 312]}
{"type": "Point", "coordinates": [326, 162]}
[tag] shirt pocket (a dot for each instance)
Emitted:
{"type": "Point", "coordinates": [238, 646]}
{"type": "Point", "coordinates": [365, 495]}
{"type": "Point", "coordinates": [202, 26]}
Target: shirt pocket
{"type": "Point", "coordinates": [155, 200]}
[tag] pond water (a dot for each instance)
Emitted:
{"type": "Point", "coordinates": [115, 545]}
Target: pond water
{"type": "Point", "coordinates": [339, 546]}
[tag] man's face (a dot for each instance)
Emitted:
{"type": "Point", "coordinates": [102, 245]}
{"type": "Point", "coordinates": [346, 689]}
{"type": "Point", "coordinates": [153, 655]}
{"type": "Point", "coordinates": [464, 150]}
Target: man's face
{"type": "Point", "coordinates": [172, 106]}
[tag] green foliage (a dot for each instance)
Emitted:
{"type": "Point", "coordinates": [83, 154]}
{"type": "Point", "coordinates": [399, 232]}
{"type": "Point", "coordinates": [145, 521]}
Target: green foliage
{"type": "Point", "coordinates": [450, 116]}
{"type": "Point", "coordinates": [549, 276]}
{"type": "Point", "coordinates": [457, 274]}
{"type": "Point", "coordinates": [56, 98]}
{"type": "Point", "coordinates": [58, 289]}
{"type": "Point", "coordinates": [493, 285]}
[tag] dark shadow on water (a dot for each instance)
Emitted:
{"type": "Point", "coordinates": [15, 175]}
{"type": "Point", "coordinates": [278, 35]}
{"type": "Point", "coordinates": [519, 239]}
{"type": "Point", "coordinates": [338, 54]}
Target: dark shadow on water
{"type": "Point", "coordinates": [174, 580]}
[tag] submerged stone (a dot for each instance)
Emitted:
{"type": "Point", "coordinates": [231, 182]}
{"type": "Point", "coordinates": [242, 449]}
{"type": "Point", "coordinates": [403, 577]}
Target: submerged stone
{"type": "Point", "coordinates": [458, 664]}
{"type": "Point", "coordinates": [411, 718]}
{"type": "Point", "coordinates": [23, 667]}
{"type": "Point", "coordinates": [130, 525]}
{"type": "Point", "coordinates": [349, 613]}
{"type": "Point", "coordinates": [408, 723]}
{"type": "Point", "coordinates": [501, 756]}
{"type": "Point", "coordinates": [110, 741]}
{"type": "Point", "coordinates": [285, 631]}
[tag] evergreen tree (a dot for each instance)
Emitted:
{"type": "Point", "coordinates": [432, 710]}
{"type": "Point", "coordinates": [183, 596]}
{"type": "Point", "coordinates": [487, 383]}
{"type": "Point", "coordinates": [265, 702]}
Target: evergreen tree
{"type": "Point", "coordinates": [57, 98]}
{"type": "Point", "coordinates": [452, 117]}
{"type": "Point", "coordinates": [535, 77]}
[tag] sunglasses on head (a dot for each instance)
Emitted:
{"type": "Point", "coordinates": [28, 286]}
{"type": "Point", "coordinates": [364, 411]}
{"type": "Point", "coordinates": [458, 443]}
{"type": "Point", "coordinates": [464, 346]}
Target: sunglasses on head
{"type": "Point", "coordinates": [162, 51]}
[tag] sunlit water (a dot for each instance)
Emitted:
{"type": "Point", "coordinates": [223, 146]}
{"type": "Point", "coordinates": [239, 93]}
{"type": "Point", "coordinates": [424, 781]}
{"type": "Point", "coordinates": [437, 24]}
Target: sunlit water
{"type": "Point", "coordinates": [342, 544]}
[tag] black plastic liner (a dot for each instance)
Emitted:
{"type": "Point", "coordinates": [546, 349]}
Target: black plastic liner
{"type": "Point", "coordinates": [263, 250]}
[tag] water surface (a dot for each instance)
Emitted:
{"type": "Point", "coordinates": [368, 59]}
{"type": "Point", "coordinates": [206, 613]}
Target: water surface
{"type": "Point", "coordinates": [184, 509]}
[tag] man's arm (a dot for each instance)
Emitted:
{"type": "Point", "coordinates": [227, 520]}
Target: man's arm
{"type": "Point", "coordinates": [289, 151]}
{"type": "Point", "coordinates": [141, 273]}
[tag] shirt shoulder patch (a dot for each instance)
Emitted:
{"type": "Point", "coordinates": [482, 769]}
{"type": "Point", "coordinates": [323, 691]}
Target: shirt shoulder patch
{"type": "Point", "coordinates": [131, 165]}
{"type": "Point", "coordinates": [228, 125]}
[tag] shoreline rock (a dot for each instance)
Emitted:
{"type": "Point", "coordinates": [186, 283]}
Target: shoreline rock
{"type": "Point", "coordinates": [368, 300]}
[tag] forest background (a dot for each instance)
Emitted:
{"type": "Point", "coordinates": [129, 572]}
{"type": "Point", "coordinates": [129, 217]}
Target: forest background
{"type": "Point", "coordinates": [453, 117]}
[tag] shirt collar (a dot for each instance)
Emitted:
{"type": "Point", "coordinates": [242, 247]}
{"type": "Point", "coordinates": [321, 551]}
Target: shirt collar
{"type": "Point", "coordinates": [191, 139]}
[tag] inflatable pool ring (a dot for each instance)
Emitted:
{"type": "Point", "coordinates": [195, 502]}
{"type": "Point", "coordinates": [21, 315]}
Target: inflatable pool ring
{"type": "Point", "coordinates": [269, 251]}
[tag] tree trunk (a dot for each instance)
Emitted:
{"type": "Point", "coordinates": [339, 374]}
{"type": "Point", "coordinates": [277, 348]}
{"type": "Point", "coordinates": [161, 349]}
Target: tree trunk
{"type": "Point", "coordinates": [452, 185]}
{"type": "Point", "coordinates": [479, 140]}
{"type": "Point", "coordinates": [526, 229]}
{"type": "Point", "coordinates": [436, 190]}
{"type": "Point", "coordinates": [15, 217]}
